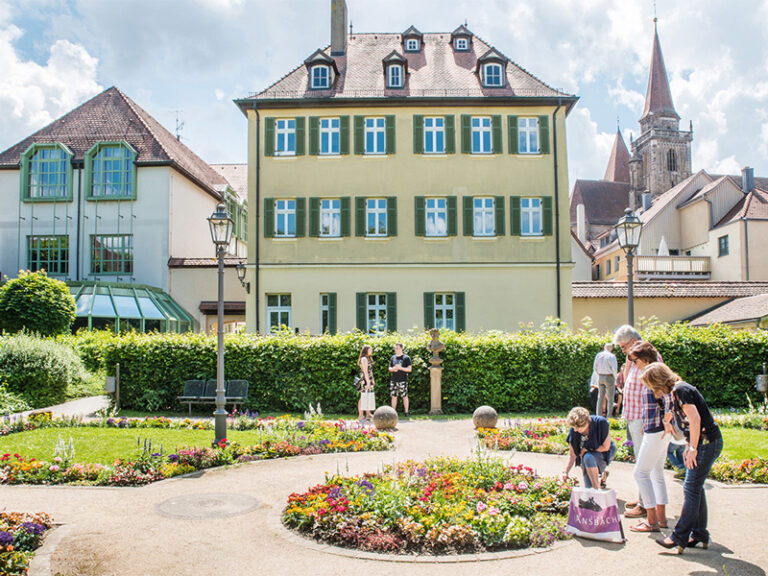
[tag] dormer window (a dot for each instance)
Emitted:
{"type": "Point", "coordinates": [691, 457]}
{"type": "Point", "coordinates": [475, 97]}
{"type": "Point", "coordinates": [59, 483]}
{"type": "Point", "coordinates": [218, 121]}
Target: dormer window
{"type": "Point", "coordinates": [321, 76]}
{"type": "Point", "coordinates": [412, 45]}
{"type": "Point", "coordinates": [412, 39]}
{"type": "Point", "coordinates": [395, 76]}
{"type": "Point", "coordinates": [493, 75]}
{"type": "Point", "coordinates": [461, 44]}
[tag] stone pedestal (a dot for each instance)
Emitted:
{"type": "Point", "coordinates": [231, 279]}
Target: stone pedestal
{"type": "Point", "coordinates": [435, 390]}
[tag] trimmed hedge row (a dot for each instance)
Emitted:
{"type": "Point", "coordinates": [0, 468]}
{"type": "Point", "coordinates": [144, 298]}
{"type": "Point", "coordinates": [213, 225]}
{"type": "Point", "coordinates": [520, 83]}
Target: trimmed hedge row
{"type": "Point", "coordinates": [512, 372]}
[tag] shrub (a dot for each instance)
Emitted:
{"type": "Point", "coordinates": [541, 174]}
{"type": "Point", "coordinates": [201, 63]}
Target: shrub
{"type": "Point", "coordinates": [38, 370]}
{"type": "Point", "coordinates": [36, 303]}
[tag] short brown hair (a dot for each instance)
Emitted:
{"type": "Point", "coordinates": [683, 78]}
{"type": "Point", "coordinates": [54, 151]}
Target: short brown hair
{"type": "Point", "coordinates": [660, 378]}
{"type": "Point", "coordinates": [577, 417]}
{"type": "Point", "coordinates": [644, 351]}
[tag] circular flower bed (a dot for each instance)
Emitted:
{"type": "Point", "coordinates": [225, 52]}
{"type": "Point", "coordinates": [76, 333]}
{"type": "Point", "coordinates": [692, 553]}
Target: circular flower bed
{"type": "Point", "coordinates": [20, 535]}
{"type": "Point", "coordinates": [438, 506]}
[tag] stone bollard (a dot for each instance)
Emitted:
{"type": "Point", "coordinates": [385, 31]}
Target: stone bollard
{"type": "Point", "coordinates": [485, 417]}
{"type": "Point", "coordinates": [385, 418]}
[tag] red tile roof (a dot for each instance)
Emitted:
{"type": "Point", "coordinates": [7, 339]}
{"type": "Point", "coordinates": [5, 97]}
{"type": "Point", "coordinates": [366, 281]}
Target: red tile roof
{"type": "Point", "coordinates": [604, 202]}
{"type": "Point", "coordinates": [677, 289]}
{"type": "Point", "coordinates": [658, 98]}
{"type": "Point", "coordinates": [436, 71]}
{"type": "Point", "coordinates": [739, 310]}
{"type": "Point", "coordinates": [111, 116]}
{"type": "Point", "coordinates": [618, 164]}
{"type": "Point", "coordinates": [753, 206]}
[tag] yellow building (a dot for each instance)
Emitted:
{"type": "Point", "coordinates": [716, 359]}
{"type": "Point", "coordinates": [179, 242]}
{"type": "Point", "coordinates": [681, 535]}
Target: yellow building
{"type": "Point", "coordinates": [406, 181]}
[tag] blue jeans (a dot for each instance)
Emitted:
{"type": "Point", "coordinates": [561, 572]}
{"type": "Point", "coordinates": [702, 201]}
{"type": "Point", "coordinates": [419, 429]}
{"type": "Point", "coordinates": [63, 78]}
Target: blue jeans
{"type": "Point", "coordinates": [599, 460]}
{"type": "Point", "coordinates": [693, 518]}
{"type": "Point", "coordinates": [675, 455]}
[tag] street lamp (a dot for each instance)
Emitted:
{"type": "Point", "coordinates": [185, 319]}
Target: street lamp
{"type": "Point", "coordinates": [221, 233]}
{"type": "Point", "coordinates": [628, 229]}
{"type": "Point", "coordinates": [241, 276]}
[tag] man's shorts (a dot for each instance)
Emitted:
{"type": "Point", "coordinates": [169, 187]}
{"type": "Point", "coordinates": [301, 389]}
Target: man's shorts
{"type": "Point", "coordinates": [398, 389]}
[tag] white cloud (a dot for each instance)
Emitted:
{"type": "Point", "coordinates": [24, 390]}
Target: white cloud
{"type": "Point", "coordinates": [219, 95]}
{"type": "Point", "coordinates": [588, 148]}
{"type": "Point", "coordinates": [630, 98]}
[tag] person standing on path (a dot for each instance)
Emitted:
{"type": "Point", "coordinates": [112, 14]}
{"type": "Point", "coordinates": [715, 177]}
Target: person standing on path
{"type": "Point", "coordinates": [365, 362]}
{"type": "Point", "coordinates": [605, 367]}
{"type": "Point", "coordinates": [399, 366]}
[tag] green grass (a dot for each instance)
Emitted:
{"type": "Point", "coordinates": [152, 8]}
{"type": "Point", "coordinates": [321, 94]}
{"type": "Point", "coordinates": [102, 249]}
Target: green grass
{"type": "Point", "coordinates": [742, 443]}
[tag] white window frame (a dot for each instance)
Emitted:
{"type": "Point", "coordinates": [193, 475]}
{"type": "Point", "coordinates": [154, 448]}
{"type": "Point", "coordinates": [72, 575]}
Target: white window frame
{"type": "Point", "coordinates": [330, 218]}
{"type": "Point", "coordinates": [434, 127]}
{"type": "Point", "coordinates": [528, 135]}
{"type": "Point", "coordinates": [395, 76]}
{"type": "Point", "coordinates": [412, 45]}
{"type": "Point", "coordinates": [378, 305]}
{"type": "Point", "coordinates": [530, 209]}
{"type": "Point", "coordinates": [325, 310]}
{"type": "Point", "coordinates": [443, 309]}
{"type": "Point", "coordinates": [434, 208]}
{"type": "Point", "coordinates": [330, 136]}
{"type": "Point", "coordinates": [376, 208]}
{"type": "Point", "coordinates": [483, 127]}
{"type": "Point", "coordinates": [484, 210]}
{"type": "Point", "coordinates": [493, 75]}
{"type": "Point", "coordinates": [279, 309]}
{"type": "Point", "coordinates": [461, 44]}
{"type": "Point", "coordinates": [284, 209]}
{"type": "Point", "coordinates": [375, 126]}
{"type": "Point", "coordinates": [320, 81]}
{"type": "Point", "coordinates": [284, 129]}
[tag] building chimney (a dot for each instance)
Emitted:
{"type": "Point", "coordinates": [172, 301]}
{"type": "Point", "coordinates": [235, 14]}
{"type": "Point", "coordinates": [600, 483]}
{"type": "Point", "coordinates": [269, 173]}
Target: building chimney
{"type": "Point", "coordinates": [338, 27]}
{"type": "Point", "coordinates": [647, 201]}
{"type": "Point", "coordinates": [581, 223]}
{"type": "Point", "coordinates": [747, 179]}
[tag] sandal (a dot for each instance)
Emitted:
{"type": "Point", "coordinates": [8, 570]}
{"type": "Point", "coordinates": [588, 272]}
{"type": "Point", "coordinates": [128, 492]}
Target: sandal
{"type": "Point", "coordinates": [663, 525]}
{"type": "Point", "coordinates": [636, 512]}
{"type": "Point", "coordinates": [644, 526]}
{"type": "Point", "coordinates": [604, 479]}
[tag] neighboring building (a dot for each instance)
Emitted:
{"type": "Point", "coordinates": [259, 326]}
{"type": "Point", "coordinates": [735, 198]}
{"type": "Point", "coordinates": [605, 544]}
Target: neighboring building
{"type": "Point", "coordinates": [750, 313]}
{"type": "Point", "coordinates": [582, 260]}
{"type": "Point", "coordinates": [105, 198]}
{"type": "Point", "coordinates": [404, 181]}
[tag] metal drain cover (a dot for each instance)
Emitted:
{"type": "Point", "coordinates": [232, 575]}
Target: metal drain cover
{"type": "Point", "coordinates": [212, 505]}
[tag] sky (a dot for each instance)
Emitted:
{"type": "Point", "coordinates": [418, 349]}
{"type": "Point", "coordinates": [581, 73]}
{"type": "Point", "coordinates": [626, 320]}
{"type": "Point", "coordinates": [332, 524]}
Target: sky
{"type": "Point", "coordinates": [186, 60]}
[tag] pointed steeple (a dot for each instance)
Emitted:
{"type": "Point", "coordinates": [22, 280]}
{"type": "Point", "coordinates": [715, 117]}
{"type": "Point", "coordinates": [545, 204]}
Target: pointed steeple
{"type": "Point", "coordinates": [618, 164]}
{"type": "Point", "coordinates": [658, 98]}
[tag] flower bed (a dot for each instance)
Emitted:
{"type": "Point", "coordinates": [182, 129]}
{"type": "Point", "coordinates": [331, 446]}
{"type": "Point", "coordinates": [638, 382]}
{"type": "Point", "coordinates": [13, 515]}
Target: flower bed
{"type": "Point", "coordinates": [148, 464]}
{"type": "Point", "coordinates": [749, 471]}
{"type": "Point", "coordinates": [439, 506]}
{"type": "Point", "coordinates": [20, 536]}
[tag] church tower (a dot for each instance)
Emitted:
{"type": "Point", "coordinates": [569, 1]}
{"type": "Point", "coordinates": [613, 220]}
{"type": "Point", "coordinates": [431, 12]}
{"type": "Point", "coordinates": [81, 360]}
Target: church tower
{"type": "Point", "coordinates": [661, 155]}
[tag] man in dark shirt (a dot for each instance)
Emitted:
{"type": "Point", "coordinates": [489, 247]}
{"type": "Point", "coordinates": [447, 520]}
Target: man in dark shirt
{"type": "Point", "coordinates": [399, 367]}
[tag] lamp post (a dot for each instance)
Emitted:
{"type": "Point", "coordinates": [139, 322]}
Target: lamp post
{"type": "Point", "coordinates": [241, 269]}
{"type": "Point", "coordinates": [221, 234]}
{"type": "Point", "coordinates": [628, 229]}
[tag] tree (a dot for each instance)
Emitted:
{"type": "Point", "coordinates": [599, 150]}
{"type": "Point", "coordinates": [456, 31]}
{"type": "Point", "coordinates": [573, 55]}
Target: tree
{"type": "Point", "coordinates": [36, 303]}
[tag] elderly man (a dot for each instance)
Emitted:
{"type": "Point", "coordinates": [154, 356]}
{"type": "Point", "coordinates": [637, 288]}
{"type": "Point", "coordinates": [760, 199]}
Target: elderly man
{"type": "Point", "coordinates": [606, 368]}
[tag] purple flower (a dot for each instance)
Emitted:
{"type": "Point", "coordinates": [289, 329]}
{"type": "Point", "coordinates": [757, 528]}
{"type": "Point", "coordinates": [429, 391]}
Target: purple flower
{"type": "Point", "coordinates": [173, 458]}
{"type": "Point", "coordinates": [324, 442]}
{"type": "Point", "coordinates": [122, 423]}
{"type": "Point", "coordinates": [33, 527]}
{"type": "Point", "coordinates": [155, 455]}
{"type": "Point", "coordinates": [300, 424]}
{"type": "Point", "coordinates": [6, 538]}
{"type": "Point", "coordinates": [628, 443]}
{"type": "Point", "coordinates": [335, 492]}
{"type": "Point", "coordinates": [421, 472]}
{"type": "Point", "coordinates": [110, 421]}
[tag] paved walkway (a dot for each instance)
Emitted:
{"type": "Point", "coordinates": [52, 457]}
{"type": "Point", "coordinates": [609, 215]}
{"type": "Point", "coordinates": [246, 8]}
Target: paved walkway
{"type": "Point", "coordinates": [134, 531]}
{"type": "Point", "coordinates": [82, 407]}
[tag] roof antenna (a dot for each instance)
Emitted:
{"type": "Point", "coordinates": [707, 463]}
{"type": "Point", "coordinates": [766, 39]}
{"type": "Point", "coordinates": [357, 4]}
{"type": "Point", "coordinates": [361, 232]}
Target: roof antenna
{"type": "Point", "coordinates": [618, 127]}
{"type": "Point", "coordinates": [350, 27]}
{"type": "Point", "coordinates": [655, 19]}
{"type": "Point", "coordinates": [465, 23]}
{"type": "Point", "coordinates": [179, 127]}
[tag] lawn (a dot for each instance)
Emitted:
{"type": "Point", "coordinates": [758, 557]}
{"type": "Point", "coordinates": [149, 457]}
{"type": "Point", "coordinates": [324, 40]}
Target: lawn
{"type": "Point", "coordinates": [742, 443]}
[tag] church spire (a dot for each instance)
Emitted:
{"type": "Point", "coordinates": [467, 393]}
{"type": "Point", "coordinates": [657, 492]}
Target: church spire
{"type": "Point", "coordinates": [658, 98]}
{"type": "Point", "coordinates": [618, 164]}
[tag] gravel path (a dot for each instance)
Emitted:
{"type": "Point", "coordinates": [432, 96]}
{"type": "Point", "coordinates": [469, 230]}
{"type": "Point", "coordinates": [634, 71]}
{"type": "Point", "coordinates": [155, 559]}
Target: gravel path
{"type": "Point", "coordinates": [180, 526]}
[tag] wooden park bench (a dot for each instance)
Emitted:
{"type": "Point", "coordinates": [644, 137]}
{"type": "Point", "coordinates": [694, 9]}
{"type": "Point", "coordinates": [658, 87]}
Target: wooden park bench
{"type": "Point", "coordinates": [204, 392]}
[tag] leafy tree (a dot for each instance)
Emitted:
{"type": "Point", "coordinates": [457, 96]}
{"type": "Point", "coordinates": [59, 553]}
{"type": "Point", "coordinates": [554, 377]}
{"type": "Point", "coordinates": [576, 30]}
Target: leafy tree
{"type": "Point", "coordinates": [36, 303]}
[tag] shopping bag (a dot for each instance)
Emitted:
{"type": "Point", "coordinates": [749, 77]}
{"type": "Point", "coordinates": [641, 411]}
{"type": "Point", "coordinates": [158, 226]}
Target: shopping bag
{"type": "Point", "coordinates": [594, 514]}
{"type": "Point", "coordinates": [368, 401]}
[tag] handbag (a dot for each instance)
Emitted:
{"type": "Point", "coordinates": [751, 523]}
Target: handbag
{"type": "Point", "coordinates": [594, 514]}
{"type": "Point", "coordinates": [358, 383]}
{"type": "Point", "coordinates": [368, 400]}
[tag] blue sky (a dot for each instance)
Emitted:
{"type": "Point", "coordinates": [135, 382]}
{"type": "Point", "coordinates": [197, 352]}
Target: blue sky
{"type": "Point", "coordinates": [196, 56]}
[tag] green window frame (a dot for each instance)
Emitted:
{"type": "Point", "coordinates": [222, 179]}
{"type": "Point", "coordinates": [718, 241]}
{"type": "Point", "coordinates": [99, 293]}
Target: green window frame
{"type": "Point", "coordinates": [439, 305]}
{"type": "Point", "coordinates": [514, 135]}
{"type": "Point", "coordinates": [110, 171]}
{"type": "Point", "coordinates": [49, 253]}
{"type": "Point", "coordinates": [376, 312]}
{"type": "Point", "coordinates": [111, 254]}
{"type": "Point", "coordinates": [516, 216]}
{"type": "Point", "coordinates": [722, 246]}
{"type": "Point", "coordinates": [328, 313]}
{"type": "Point", "coordinates": [46, 173]}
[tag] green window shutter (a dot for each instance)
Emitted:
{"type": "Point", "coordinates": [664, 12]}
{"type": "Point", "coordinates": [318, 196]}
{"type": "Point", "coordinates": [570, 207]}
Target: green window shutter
{"type": "Point", "coordinates": [450, 135]}
{"type": "Point", "coordinates": [359, 134]}
{"type": "Point", "coordinates": [418, 134]}
{"type": "Point", "coordinates": [496, 134]}
{"type": "Point", "coordinates": [546, 220]}
{"type": "Point", "coordinates": [469, 220]}
{"type": "Point", "coordinates": [332, 326]}
{"type": "Point", "coordinates": [498, 206]}
{"type": "Point", "coordinates": [514, 221]}
{"type": "Point", "coordinates": [344, 134]}
{"type": "Point", "coordinates": [314, 217]}
{"type": "Point", "coordinates": [544, 134]}
{"type": "Point", "coordinates": [512, 134]}
{"type": "Point", "coordinates": [362, 311]}
{"type": "Point", "coordinates": [429, 310]}
{"type": "Point", "coordinates": [392, 216]}
{"type": "Point", "coordinates": [450, 202]}
{"type": "Point", "coordinates": [314, 135]}
{"type": "Point", "coordinates": [269, 136]}
{"type": "Point", "coordinates": [389, 123]}
{"type": "Point", "coordinates": [421, 216]}
{"type": "Point", "coordinates": [359, 216]}
{"type": "Point", "coordinates": [466, 134]}
{"type": "Point", "coordinates": [346, 217]}
{"type": "Point", "coordinates": [391, 311]}
{"type": "Point", "coordinates": [269, 217]}
{"type": "Point", "coordinates": [300, 136]}
{"type": "Point", "coordinates": [301, 217]}
{"type": "Point", "coordinates": [461, 314]}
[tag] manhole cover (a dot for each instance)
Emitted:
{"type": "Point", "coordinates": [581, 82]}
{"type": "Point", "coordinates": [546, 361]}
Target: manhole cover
{"type": "Point", "coordinates": [214, 505]}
